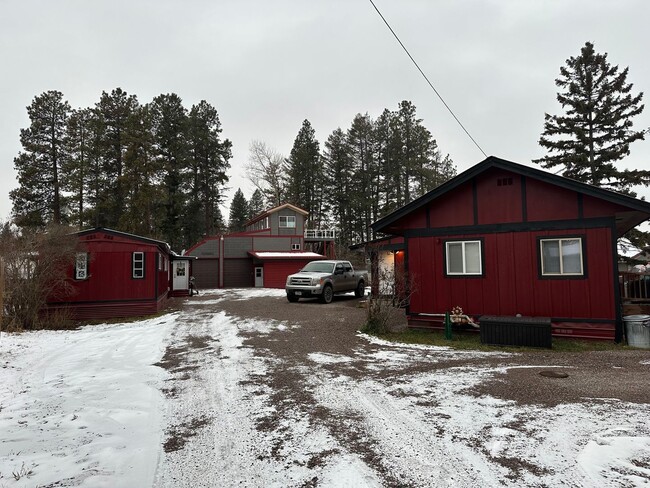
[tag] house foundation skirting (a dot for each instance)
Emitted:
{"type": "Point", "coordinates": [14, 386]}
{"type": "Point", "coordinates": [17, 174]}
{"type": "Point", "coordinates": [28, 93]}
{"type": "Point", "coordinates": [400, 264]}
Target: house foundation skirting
{"type": "Point", "coordinates": [572, 329]}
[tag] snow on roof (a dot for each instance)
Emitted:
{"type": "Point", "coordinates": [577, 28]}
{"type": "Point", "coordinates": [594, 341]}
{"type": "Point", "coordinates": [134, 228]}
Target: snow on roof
{"type": "Point", "coordinates": [286, 254]}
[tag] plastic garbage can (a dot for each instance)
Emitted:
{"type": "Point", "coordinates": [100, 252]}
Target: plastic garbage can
{"type": "Point", "coordinates": [637, 330]}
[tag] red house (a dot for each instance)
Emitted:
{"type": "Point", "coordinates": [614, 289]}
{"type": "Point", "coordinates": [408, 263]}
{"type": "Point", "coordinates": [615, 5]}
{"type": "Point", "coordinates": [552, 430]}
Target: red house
{"type": "Point", "coordinates": [505, 239]}
{"type": "Point", "coordinates": [120, 275]}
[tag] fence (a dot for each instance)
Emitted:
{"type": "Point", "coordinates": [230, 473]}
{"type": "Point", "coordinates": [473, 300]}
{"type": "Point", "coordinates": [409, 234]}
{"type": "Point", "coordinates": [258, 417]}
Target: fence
{"type": "Point", "coordinates": [634, 286]}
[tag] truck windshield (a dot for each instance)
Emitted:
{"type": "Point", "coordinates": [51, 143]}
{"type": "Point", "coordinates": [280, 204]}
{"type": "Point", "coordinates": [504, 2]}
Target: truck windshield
{"type": "Point", "coordinates": [316, 267]}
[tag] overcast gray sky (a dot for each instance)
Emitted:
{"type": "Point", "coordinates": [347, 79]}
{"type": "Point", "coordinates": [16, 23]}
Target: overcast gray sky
{"type": "Point", "coordinates": [267, 65]}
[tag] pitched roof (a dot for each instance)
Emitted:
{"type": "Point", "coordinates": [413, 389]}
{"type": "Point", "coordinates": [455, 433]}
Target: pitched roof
{"type": "Point", "coordinates": [634, 204]}
{"type": "Point", "coordinates": [134, 237]}
{"type": "Point", "coordinates": [277, 209]}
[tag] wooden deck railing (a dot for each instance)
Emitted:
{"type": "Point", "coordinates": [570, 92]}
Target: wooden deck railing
{"type": "Point", "coordinates": [634, 286]}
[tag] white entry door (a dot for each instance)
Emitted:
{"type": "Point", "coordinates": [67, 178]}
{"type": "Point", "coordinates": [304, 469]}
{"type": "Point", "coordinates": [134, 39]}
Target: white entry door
{"type": "Point", "coordinates": [259, 277]}
{"type": "Point", "coordinates": [180, 277]}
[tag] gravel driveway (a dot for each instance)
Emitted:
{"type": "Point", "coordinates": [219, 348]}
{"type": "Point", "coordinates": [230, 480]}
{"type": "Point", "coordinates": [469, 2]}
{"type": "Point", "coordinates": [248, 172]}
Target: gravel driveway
{"type": "Point", "coordinates": [290, 394]}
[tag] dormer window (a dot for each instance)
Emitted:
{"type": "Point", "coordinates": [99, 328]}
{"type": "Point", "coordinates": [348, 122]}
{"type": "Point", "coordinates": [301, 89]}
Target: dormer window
{"type": "Point", "coordinates": [288, 221]}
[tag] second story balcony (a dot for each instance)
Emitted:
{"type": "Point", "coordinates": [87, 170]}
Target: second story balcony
{"type": "Point", "coordinates": [320, 234]}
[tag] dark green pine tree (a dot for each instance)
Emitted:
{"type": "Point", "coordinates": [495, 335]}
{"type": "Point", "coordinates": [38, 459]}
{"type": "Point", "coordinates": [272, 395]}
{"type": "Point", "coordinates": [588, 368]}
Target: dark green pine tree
{"type": "Point", "coordinates": [238, 212]}
{"type": "Point", "coordinates": [595, 130]}
{"type": "Point", "coordinates": [38, 200]}
{"type": "Point", "coordinates": [208, 162]}
{"type": "Point", "coordinates": [304, 171]}
{"type": "Point", "coordinates": [220, 226]}
{"type": "Point", "coordinates": [141, 179]}
{"type": "Point", "coordinates": [340, 184]}
{"type": "Point", "coordinates": [76, 174]}
{"type": "Point", "coordinates": [255, 204]}
{"type": "Point", "coordinates": [170, 128]}
{"type": "Point", "coordinates": [389, 176]}
{"type": "Point", "coordinates": [114, 109]}
{"type": "Point", "coordinates": [362, 144]}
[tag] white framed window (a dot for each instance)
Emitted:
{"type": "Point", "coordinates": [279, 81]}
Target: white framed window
{"type": "Point", "coordinates": [81, 266]}
{"type": "Point", "coordinates": [463, 258]}
{"type": "Point", "coordinates": [561, 256]}
{"type": "Point", "coordinates": [288, 221]}
{"type": "Point", "coordinates": [138, 265]}
{"type": "Point", "coordinates": [295, 247]}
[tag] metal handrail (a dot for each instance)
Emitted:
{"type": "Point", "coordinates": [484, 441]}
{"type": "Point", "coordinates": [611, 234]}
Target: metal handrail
{"type": "Point", "coordinates": [320, 233]}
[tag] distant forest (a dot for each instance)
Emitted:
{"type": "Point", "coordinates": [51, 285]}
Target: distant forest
{"type": "Point", "coordinates": [161, 170]}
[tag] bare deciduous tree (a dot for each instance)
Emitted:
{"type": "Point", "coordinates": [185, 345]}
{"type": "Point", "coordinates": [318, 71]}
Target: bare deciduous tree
{"type": "Point", "coordinates": [386, 307]}
{"type": "Point", "coordinates": [36, 265]}
{"type": "Point", "coordinates": [266, 169]}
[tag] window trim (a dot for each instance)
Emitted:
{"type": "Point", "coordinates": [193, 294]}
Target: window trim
{"type": "Point", "coordinates": [295, 246]}
{"type": "Point", "coordinates": [481, 244]}
{"type": "Point", "coordinates": [76, 269]}
{"type": "Point", "coordinates": [287, 219]}
{"type": "Point", "coordinates": [134, 260]}
{"type": "Point", "coordinates": [562, 276]}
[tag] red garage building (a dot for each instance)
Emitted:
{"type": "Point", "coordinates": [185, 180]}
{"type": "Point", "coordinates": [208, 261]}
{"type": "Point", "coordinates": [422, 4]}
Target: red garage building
{"type": "Point", "coordinates": [117, 274]}
{"type": "Point", "coordinates": [504, 239]}
{"type": "Point", "coordinates": [272, 246]}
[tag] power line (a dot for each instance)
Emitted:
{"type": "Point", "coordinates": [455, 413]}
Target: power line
{"type": "Point", "coordinates": [427, 79]}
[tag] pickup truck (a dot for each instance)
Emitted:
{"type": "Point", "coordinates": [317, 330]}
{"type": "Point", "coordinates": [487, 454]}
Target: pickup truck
{"type": "Point", "coordinates": [323, 279]}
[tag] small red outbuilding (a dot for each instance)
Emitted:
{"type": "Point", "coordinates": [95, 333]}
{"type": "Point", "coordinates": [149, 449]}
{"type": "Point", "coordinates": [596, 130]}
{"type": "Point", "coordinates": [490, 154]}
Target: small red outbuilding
{"type": "Point", "coordinates": [117, 274]}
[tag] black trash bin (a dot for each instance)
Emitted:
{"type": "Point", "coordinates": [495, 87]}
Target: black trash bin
{"type": "Point", "coordinates": [516, 331]}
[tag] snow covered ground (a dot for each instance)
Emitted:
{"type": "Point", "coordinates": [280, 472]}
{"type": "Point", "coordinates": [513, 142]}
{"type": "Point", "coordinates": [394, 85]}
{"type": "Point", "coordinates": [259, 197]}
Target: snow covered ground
{"type": "Point", "coordinates": [186, 399]}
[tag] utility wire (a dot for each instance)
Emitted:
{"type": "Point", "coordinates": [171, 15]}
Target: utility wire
{"type": "Point", "coordinates": [427, 79]}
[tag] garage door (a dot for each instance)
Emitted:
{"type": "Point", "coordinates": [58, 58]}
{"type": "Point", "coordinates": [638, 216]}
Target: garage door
{"type": "Point", "coordinates": [206, 273]}
{"type": "Point", "coordinates": [238, 273]}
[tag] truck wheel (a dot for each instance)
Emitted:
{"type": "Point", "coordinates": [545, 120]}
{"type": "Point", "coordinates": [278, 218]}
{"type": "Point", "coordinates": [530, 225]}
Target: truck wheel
{"type": "Point", "coordinates": [328, 294]}
{"type": "Point", "coordinates": [292, 298]}
{"type": "Point", "coordinates": [361, 290]}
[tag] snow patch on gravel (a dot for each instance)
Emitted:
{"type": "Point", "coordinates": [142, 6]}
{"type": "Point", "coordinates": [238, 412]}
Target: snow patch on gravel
{"type": "Point", "coordinates": [323, 358]}
{"type": "Point", "coordinates": [466, 354]}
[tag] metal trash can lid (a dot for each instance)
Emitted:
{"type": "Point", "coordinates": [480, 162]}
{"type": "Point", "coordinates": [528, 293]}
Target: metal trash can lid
{"type": "Point", "coordinates": [636, 318]}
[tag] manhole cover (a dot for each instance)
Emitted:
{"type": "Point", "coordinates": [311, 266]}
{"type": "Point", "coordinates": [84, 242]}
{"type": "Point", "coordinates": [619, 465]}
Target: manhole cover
{"type": "Point", "coordinates": [554, 374]}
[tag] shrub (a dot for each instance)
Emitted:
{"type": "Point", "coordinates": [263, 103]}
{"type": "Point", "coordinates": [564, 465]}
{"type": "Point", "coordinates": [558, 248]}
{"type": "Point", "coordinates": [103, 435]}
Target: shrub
{"type": "Point", "coordinates": [36, 265]}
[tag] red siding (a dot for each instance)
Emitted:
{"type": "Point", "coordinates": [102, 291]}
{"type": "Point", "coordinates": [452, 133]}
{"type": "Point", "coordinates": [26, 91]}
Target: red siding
{"type": "Point", "coordinates": [549, 202]}
{"type": "Point", "coordinates": [511, 284]}
{"type": "Point", "coordinates": [110, 289]}
{"type": "Point", "coordinates": [594, 207]}
{"type": "Point", "coordinates": [276, 272]}
{"type": "Point", "coordinates": [110, 270]}
{"type": "Point", "coordinates": [417, 219]}
{"type": "Point", "coordinates": [498, 203]}
{"type": "Point", "coordinates": [110, 310]}
{"type": "Point", "coordinates": [453, 209]}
